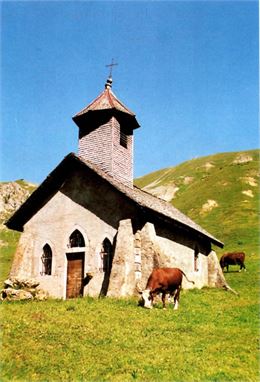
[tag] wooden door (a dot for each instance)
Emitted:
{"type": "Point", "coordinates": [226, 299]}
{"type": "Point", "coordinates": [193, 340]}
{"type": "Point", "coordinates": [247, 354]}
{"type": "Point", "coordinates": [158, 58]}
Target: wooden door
{"type": "Point", "coordinates": [75, 274]}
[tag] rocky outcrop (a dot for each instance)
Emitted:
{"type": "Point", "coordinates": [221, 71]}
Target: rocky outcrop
{"type": "Point", "coordinates": [22, 289]}
{"type": "Point", "coordinates": [12, 196]}
{"type": "Point", "coordinates": [242, 158]}
{"type": "Point", "coordinates": [166, 192]}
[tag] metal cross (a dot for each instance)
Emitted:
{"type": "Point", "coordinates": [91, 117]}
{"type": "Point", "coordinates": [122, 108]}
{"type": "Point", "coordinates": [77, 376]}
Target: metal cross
{"type": "Point", "coordinates": [111, 67]}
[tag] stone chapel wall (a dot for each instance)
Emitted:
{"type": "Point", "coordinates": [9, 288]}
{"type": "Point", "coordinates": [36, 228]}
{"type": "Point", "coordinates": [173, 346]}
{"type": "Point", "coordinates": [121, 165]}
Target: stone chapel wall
{"type": "Point", "coordinates": [53, 224]}
{"type": "Point", "coordinates": [136, 255]}
{"type": "Point", "coordinates": [98, 216]}
{"type": "Point", "coordinates": [158, 251]}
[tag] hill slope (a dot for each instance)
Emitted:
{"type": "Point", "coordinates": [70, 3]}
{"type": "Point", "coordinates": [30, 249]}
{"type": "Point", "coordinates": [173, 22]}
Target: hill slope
{"type": "Point", "coordinates": [220, 192]}
{"type": "Point", "coordinates": [12, 195]}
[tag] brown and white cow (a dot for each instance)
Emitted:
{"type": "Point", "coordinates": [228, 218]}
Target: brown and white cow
{"type": "Point", "coordinates": [163, 280]}
{"type": "Point", "coordinates": [233, 258]}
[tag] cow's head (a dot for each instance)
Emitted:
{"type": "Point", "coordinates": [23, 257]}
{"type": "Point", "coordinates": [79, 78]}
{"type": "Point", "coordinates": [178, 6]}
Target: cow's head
{"type": "Point", "coordinates": [146, 299]}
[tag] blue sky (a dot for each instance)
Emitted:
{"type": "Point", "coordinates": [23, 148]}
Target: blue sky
{"type": "Point", "coordinates": [189, 70]}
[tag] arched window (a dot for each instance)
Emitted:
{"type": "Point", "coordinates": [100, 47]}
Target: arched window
{"type": "Point", "coordinates": [46, 260]}
{"type": "Point", "coordinates": [106, 255]}
{"type": "Point", "coordinates": [76, 239]}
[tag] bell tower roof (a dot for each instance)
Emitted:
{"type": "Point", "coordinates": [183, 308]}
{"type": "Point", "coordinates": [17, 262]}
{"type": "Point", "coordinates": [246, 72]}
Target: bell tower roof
{"type": "Point", "coordinates": [106, 102]}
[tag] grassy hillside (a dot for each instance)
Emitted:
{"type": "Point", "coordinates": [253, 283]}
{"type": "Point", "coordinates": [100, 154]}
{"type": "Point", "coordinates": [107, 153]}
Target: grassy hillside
{"type": "Point", "coordinates": [12, 195]}
{"type": "Point", "coordinates": [220, 192]}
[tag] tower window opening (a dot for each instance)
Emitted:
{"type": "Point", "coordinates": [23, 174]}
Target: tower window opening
{"type": "Point", "coordinates": [123, 139]}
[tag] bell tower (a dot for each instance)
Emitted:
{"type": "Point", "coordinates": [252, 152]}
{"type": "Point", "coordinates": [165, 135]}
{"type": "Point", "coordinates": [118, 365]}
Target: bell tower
{"type": "Point", "coordinates": [106, 137]}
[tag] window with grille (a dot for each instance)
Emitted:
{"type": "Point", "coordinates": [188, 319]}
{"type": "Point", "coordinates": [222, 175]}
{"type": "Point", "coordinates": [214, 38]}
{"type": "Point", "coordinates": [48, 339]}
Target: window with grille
{"type": "Point", "coordinates": [76, 239]}
{"type": "Point", "coordinates": [106, 256]}
{"type": "Point", "coordinates": [46, 260]}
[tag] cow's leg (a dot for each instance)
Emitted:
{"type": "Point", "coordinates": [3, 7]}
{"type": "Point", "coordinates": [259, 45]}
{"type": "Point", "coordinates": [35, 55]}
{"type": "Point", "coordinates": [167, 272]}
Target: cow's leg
{"type": "Point", "coordinates": [176, 298]}
{"type": "Point", "coordinates": [172, 297]}
{"type": "Point", "coordinates": [163, 300]}
{"type": "Point", "coordinates": [242, 266]}
{"type": "Point", "coordinates": [152, 295]}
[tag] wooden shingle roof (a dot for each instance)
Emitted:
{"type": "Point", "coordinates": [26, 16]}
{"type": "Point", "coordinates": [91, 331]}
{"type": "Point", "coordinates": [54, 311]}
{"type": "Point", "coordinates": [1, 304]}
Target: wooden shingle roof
{"type": "Point", "coordinates": [143, 199]}
{"type": "Point", "coordinates": [106, 102]}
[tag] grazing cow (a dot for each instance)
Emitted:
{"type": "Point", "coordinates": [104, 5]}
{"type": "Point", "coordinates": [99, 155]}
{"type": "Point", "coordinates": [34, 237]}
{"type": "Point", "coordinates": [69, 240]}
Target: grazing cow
{"type": "Point", "coordinates": [233, 258]}
{"type": "Point", "coordinates": [163, 280]}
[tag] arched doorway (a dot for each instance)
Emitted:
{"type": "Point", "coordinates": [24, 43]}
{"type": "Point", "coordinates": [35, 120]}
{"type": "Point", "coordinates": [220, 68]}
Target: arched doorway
{"type": "Point", "coordinates": [75, 265]}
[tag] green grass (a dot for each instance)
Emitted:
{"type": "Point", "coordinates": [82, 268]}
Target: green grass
{"type": "Point", "coordinates": [213, 337]}
{"type": "Point", "coordinates": [9, 240]}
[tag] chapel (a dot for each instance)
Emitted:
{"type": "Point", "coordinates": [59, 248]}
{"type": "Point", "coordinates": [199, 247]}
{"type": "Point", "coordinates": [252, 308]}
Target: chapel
{"type": "Point", "coordinates": [88, 230]}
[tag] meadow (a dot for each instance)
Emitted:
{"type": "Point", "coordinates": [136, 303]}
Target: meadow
{"type": "Point", "coordinates": [213, 337]}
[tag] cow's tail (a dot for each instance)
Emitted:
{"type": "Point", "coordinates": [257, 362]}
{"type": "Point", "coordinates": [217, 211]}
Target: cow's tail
{"type": "Point", "coordinates": [190, 281]}
{"type": "Point", "coordinates": [227, 287]}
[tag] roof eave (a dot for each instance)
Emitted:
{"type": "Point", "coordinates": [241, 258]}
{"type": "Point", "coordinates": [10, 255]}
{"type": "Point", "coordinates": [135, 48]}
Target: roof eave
{"type": "Point", "coordinates": [91, 115]}
{"type": "Point", "coordinates": [182, 225]}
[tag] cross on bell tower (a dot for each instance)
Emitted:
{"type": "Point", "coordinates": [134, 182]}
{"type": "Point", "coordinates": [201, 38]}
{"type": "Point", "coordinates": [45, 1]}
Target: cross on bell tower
{"type": "Point", "coordinates": [111, 67]}
{"type": "Point", "coordinates": [109, 80]}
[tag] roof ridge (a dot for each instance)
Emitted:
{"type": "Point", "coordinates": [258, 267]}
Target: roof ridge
{"type": "Point", "coordinates": [90, 104]}
{"type": "Point", "coordinates": [121, 103]}
{"type": "Point", "coordinates": [110, 99]}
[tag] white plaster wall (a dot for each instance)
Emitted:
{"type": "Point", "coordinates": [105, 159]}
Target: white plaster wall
{"type": "Point", "coordinates": [181, 256]}
{"type": "Point", "coordinates": [53, 225]}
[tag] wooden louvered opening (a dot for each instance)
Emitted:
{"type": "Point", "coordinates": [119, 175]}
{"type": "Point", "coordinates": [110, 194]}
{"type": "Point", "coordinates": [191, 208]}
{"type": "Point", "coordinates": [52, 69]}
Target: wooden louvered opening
{"type": "Point", "coordinates": [123, 139]}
